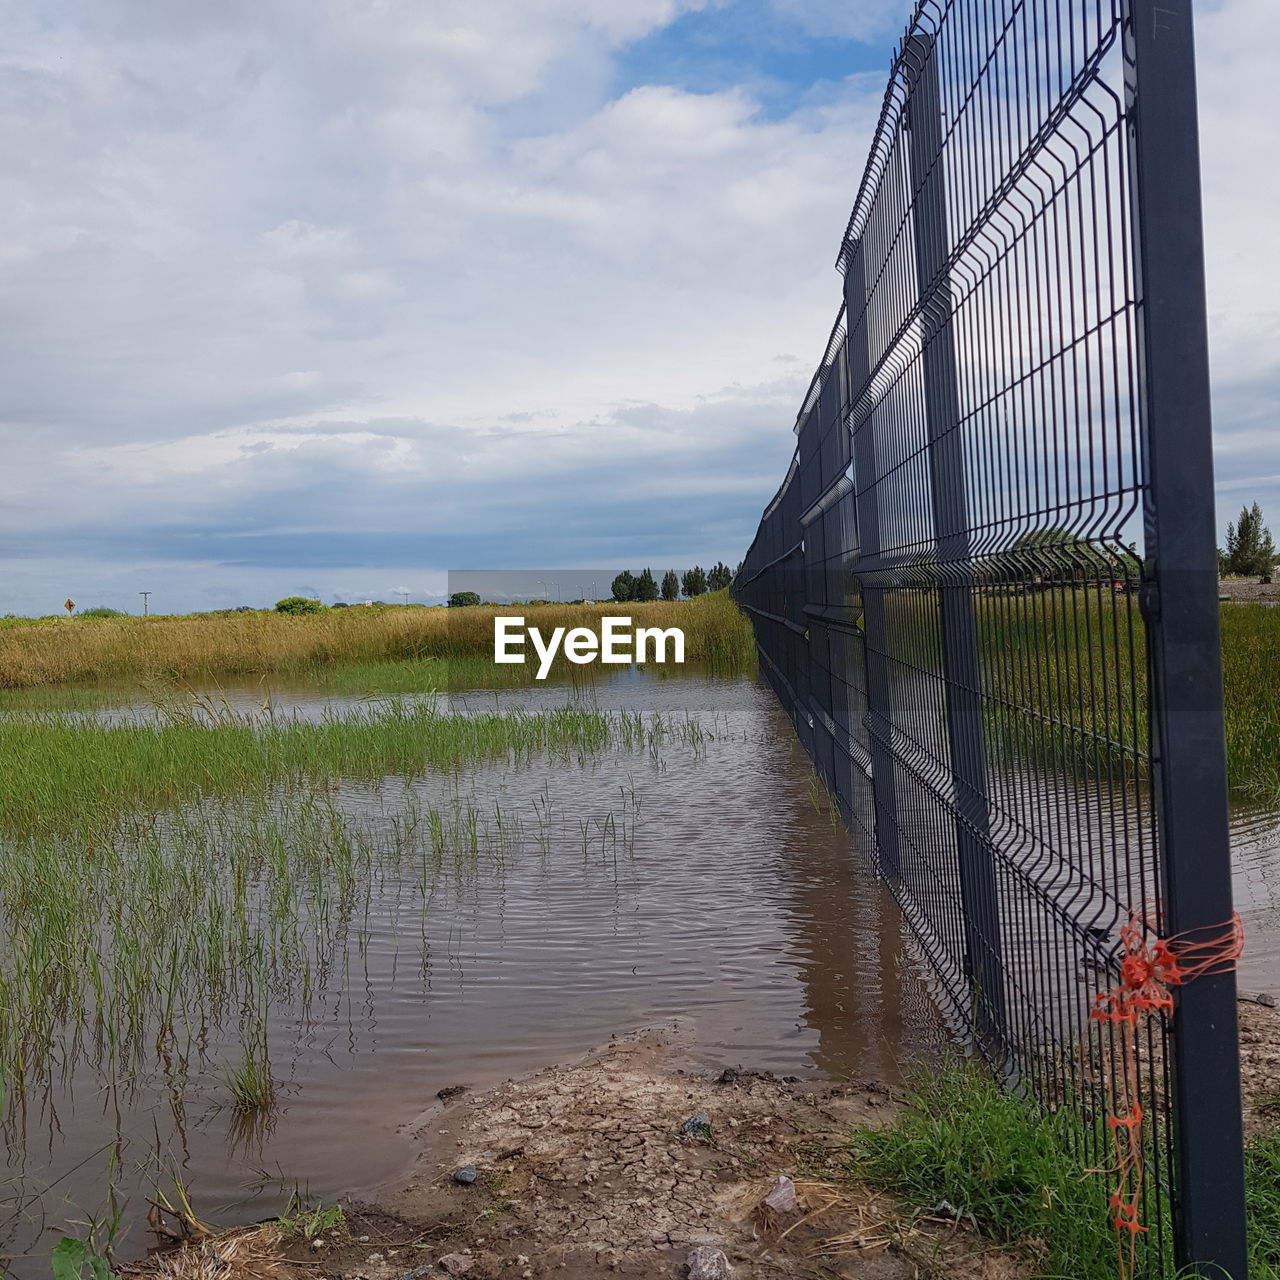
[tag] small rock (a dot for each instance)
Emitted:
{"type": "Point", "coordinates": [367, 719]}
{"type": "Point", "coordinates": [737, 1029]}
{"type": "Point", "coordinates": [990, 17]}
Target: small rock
{"type": "Point", "coordinates": [1266, 998]}
{"type": "Point", "coordinates": [728, 1076]}
{"type": "Point", "coordinates": [706, 1263]}
{"type": "Point", "coordinates": [362, 1239]}
{"type": "Point", "coordinates": [373, 1259]}
{"type": "Point", "coordinates": [319, 1243]}
{"type": "Point", "coordinates": [456, 1264]}
{"type": "Point", "coordinates": [465, 1175]}
{"type": "Point", "coordinates": [782, 1199]}
{"type": "Point", "coordinates": [522, 1260]}
{"type": "Point", "coordinates": [451, 1091]}
{"type": "Point", "coordinates": [697, 1125]}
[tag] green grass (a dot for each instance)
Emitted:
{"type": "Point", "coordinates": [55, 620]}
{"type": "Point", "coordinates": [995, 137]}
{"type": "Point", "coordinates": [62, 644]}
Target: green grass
{"type": "Point", "coordinates": [69, 775]}
{"type": "Point", "coordinates": [1059, 669]}
{"type": "Point", "coordinates": [156, 880]}
{"type": "Point", "coordinates": [959, 1138]}
{"type": "Point", "coordinates": [249, 1080]}
{"type": "Point", "coordinates": [309, 1223]}
{"type": "Point", "coordinates": [1262, 1198]}
{"type": "Point", "coordinates": [1251, 688]}
{"type": "Point", "coordinates": [988, 1154]}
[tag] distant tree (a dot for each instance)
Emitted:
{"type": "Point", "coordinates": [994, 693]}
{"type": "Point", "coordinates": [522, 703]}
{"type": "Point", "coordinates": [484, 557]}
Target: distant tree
{"type": "Point", "coordinates": [101, 611]}
{"type": "Point", "coordinates": [1250, 550]}
{"type": "Point", "coordinates": [463, 599]}
{"type": "Point", "coordinates": [297, 605]}
{"type": "Point", "coordinates": [719, 577]}
{"type": "Point", "coordinates": [624, 586]}
{"type": "Point", "coordinates": [694, 581]}
{"type": "Point", "coordinates": [340, 604]}
{"type": "Point", "coordinates": [738, 570]}
{"type": "Point", "coordinates": [646, 587]}
{"type": "Point", "coordinates": [670, 585]}
{"type": "Point", "coordinates": [248, 608]}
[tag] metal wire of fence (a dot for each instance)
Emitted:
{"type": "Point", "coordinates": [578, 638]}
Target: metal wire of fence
{"type": "Point", "coordinates": [986, 588]}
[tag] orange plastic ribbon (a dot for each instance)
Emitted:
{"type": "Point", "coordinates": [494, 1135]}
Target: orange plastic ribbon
{"type": "Point", "coordinates": [1147, 973]}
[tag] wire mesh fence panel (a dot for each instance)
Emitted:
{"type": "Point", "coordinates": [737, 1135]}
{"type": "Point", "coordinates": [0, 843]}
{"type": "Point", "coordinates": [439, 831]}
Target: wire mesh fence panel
{"type": "Point", "coordinates": [986, 589]}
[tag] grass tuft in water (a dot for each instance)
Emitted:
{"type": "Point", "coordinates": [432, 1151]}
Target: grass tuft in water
{"type": "Point", "coordinates": [249, 1079]}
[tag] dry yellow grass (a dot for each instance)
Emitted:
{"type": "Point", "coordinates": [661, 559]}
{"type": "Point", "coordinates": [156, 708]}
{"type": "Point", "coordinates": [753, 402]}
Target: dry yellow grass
{"type": "Point", "coordinates": [80, 650]}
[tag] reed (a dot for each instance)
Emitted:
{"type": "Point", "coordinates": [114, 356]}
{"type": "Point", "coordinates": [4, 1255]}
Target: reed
{"type": "Point", "coordinates": [202, 647]}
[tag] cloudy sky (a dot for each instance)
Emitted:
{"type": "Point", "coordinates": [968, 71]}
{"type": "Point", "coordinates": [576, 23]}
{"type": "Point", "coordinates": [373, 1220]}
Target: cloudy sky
{"type": "Point", "coordinates": [329, 296]}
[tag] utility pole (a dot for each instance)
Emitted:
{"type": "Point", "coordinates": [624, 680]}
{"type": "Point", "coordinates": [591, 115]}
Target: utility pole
{"type": "Point", "coordinates": [406, 597]}
{"type": "Point", "coordinates": [146, 601]}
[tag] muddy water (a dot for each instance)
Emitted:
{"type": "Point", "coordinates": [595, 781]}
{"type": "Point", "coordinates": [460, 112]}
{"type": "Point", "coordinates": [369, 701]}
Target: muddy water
{"type": "Point", "coordinates": [722, 894]}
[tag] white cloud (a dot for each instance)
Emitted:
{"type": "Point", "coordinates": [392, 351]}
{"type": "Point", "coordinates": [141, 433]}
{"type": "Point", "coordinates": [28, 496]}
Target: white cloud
{"type": "Point", "coordinates": [247, 249]}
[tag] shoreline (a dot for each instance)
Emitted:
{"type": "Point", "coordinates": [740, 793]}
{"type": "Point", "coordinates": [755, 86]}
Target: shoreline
{"type": "Point", "coordinates": [619, 1162]}
{"type": "Point", "coordinates": [642, 1159]}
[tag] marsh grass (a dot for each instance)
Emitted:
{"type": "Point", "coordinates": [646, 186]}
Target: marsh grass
{"type": "Point", "coordinates": [202, 877]}
{"type": "Point", "coordinates": [202, 648]}
{"type": "Point", "coordinates": [67, 775]}
{"type": "Point", "coordinates": [249, 1080]}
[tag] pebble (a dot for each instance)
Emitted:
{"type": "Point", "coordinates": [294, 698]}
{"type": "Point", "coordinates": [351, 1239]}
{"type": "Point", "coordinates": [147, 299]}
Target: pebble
{"type": "Point", "coordinates": [465, 1175]}
{"type": "Point", "coordinates": [456, 1264]}
{"type": "Point", "coordinates": [782, 1199]}
{"type": "Point", "coordinates": [705, 1263]}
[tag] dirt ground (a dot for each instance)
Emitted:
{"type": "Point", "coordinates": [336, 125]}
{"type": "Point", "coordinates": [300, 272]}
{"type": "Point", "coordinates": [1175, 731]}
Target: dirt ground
{"type": "Point", "coordinates": [625, 1161]}
{"type": "Point", "coordinates": [1259, 1063]}
{"type": "Point", "coordinates": [1248, 589]}
{"type": "Point", "coordinates": [620, 1164]}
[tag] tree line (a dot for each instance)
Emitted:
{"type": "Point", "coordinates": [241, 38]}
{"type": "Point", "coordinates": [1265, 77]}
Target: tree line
{"type": "Point", "coordinates": [693, 582]}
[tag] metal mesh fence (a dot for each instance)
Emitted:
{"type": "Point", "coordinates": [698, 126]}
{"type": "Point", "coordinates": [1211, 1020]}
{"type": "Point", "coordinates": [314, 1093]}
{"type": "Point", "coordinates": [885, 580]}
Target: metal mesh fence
{"type": "Point", "coordinates": [986, 589]}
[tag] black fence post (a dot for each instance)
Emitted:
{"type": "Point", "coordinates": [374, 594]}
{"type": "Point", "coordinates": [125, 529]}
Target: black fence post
{"type": "Point", "coordinates": [948, 485]}
{"type": "Point", "coordinates": [871, 575]}
{"type": "Point", "coordinates": [1181, 604]}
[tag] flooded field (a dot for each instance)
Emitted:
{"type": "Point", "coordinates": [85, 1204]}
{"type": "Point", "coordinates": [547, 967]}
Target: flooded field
{"type": "Point", "coordinates": [379, 939]}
